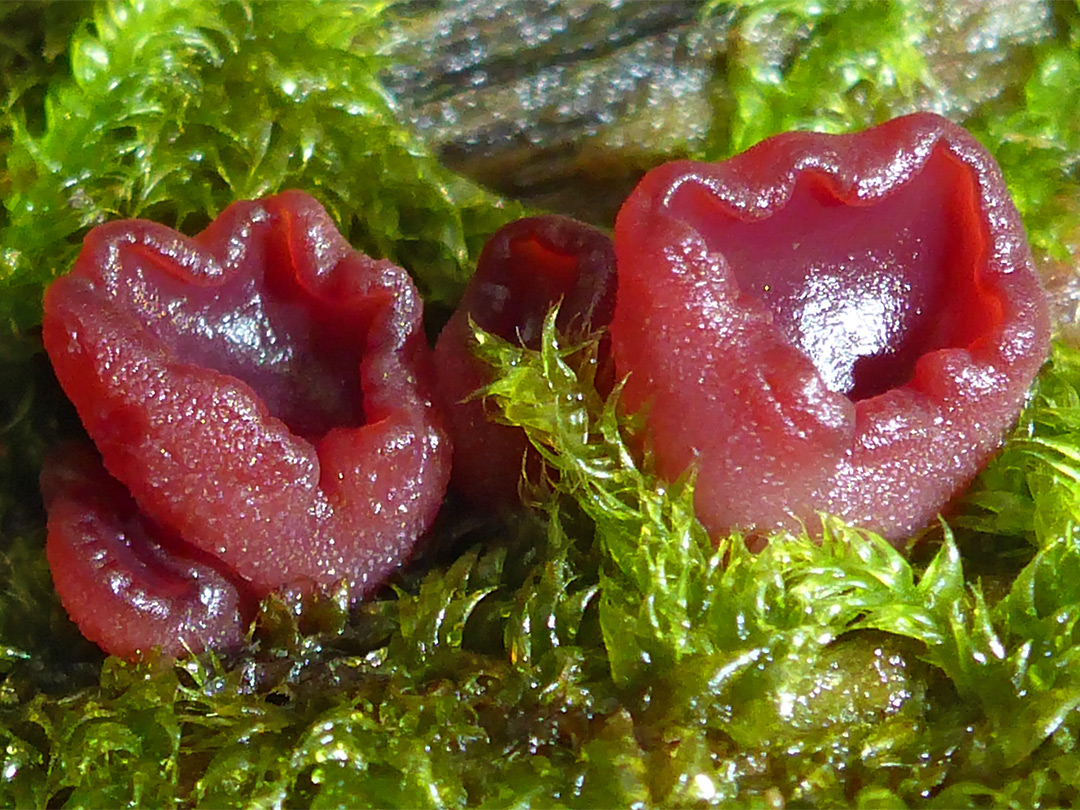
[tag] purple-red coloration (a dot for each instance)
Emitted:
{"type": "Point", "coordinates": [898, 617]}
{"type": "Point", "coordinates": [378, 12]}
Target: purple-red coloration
{"type": "Point", "coordinates": [129, 584]}
{"type": "Point", "coordinates": [525, 268]}
{"type": "Point", "coordinates": [851, 322]}
{"type": "Point", "coordinates": [263, 392]}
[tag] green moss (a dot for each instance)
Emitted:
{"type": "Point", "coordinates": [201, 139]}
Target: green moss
{"type": "Point", "coordinates": [824, 67]}
{"type": "Point", "coordinates": [1037, 143]}
{"type": "Point", "coordinates": [754, 656]}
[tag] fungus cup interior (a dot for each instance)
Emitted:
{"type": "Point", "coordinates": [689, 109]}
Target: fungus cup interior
{"type": "Point", "coordinates": [862, 287]}
{"type": "Point", "coordinates": [542, 272]}
{"type": "Point", "coordinates": [297, 350]}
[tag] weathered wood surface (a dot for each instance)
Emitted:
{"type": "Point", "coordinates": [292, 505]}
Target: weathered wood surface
{"type": "Point", "coordinates": [561, 104]}
{"type": "Point", "coordinates": [565, 103]}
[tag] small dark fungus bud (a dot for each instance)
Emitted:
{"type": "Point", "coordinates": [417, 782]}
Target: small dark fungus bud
{"type": "Point", "coordinates": [524, 269]}
{"type": "Point", "coordinates": [828, 323]}
{"type": "Point", "coordinates": [260, 397]}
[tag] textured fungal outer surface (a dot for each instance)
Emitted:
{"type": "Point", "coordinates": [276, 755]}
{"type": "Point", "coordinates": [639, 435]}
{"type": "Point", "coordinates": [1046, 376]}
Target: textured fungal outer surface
{"type": "Point", "coordinates": [525, 268]}
{"type": "Point", "coordinates": [260, 397]}
{"type": "Point", "coordinates": [828, 323]}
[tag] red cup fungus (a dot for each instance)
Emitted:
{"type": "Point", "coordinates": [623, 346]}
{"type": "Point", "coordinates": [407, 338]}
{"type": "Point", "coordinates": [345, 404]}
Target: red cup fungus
{"type": "Point", "coordinates": [524, 269]}
{"type": "Point", "coordinates": [844, 324]}
{"type": "Point", "coordinates": [261, 398]}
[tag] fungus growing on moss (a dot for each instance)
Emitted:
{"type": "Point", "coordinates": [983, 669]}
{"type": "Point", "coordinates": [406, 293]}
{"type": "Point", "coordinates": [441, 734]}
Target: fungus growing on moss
{"type": "Point", "coordinates": [828, 323]}
{"type": "Point", "coordinates": [262, 395]}
{"type": "Point", "coordinates": [525, 268]}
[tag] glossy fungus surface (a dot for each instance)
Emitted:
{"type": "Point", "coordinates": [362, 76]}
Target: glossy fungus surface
{"type": "Point", "coordinates": [525, 268]}
{"type": "Point", "coordinates": [852, 321]}
{"type": "Point", "coordinates": [260, 397]}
